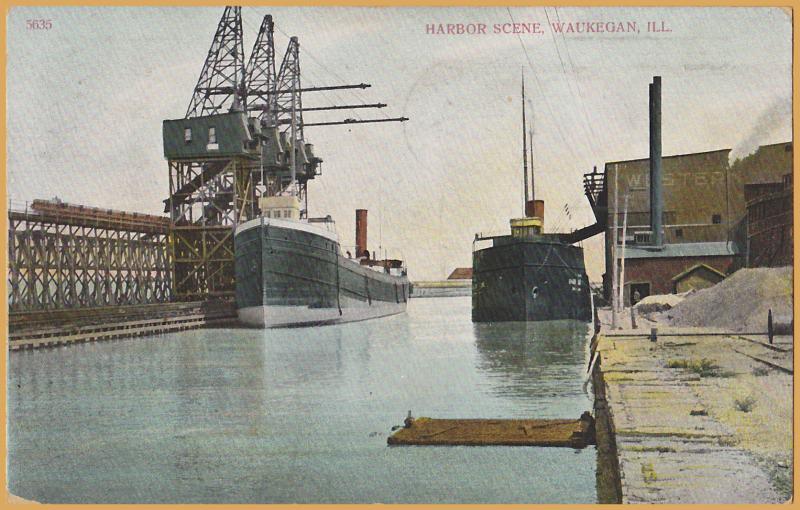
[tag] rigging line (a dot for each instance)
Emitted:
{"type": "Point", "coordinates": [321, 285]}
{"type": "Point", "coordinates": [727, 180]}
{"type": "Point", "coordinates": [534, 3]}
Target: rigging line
{"type": "Point", "coordinates": [336, 95]}
{"type": "Point", "coordinates": [571, 207]}
{"type": "Point", "coordinates": [577, 82]}
{"type": "Point", "coordinates": [304, 75]}
{"type": "Point", "coordinates": [589, 142]}
{"type": "Point", "coordinates": [355, 93]}
{"type": "Point", "coordinates": [340, 100]}
{"type": "Point", "coordinates": [558, 129]}
{"type": "Point", "coordinates": [327, 97]}
{"type": "Point", "coordinates": [565, 213]}
{"type": "Point", "coordinates": [559, 218]}
{"type": "Point", "coordinates": [308, 77]}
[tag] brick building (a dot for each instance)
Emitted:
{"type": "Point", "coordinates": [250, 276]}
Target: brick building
{"type": "Point", "coordinates": [704, 216]}
{"type": "Point", "coordinates": [769, 223]}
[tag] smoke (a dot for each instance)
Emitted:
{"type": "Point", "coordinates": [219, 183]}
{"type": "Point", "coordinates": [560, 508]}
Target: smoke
{"type": "Point", "coordinates": [770, 122]}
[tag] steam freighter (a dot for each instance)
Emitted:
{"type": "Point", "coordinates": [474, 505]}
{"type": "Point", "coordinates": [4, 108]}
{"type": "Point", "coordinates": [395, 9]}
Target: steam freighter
{"type": "Point", "coordinates": [529, 275]}
{"type": "Point", "coordinates": [292, 272]}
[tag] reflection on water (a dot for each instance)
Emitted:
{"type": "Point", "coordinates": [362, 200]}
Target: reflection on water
{"type": "Point", "coordinates": [294, 415]}
{"type": "Point", "coordinates": [541, 363]}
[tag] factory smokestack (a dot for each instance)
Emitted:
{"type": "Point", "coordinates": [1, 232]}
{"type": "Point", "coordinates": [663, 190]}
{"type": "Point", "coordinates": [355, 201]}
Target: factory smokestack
{"type": "Point", "coordinates": [361, 233]}
{"type": "Point", "coordinates": [656, 195]}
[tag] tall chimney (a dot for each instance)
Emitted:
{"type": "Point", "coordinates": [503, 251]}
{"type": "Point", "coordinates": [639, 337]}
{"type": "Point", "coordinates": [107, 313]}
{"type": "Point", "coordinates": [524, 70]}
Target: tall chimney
{"type": "Point", "coordinates": [656, 196]}
{"type": "Point", "coordinates": [361, 233]}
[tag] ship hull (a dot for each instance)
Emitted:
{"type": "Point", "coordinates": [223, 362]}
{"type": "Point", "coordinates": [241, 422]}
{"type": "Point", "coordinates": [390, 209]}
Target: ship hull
{"type": "Point", "coordinates": [529, 280]}
{"type": "Point", "coordinates": [291, 274]}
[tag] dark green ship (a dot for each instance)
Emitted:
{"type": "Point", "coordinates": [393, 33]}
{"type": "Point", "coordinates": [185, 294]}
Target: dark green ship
{"type": "Point", "coordinates": [529, 275]}
{"type": "Point", "coordinates": [291, 272]}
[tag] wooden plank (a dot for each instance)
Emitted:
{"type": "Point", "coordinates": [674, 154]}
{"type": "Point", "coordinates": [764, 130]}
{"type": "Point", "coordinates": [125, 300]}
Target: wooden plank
{"type": "Point", "coordinates": [576, 433]}
{"type": "Point", "coordinates": [110, 326]}
{"type": "Point", "coordinates": [106, 335]}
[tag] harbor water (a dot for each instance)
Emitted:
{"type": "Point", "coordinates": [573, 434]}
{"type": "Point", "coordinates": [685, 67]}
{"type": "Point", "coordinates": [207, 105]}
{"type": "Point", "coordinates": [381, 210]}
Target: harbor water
{"type": "Point", "coordinates": [299, 415]}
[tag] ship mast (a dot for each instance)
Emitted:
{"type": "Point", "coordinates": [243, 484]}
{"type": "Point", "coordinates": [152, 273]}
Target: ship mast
{"type": "Point", "coordinates": [530, 140]}
{"type": "Point", "coordinates": [524, 147]}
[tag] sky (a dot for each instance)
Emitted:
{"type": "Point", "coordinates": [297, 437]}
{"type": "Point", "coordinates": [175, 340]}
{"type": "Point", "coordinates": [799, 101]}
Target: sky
{"type": "Point", "coordinates": [87, 96]}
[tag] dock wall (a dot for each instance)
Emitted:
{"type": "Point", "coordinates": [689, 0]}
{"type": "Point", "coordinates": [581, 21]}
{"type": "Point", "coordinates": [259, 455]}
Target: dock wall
{"type": "Point", "coordinates": [37, 329]}
{"type": "Point", "coordinates": [694, 417]}
{"type": "Point", "coordinates": [609, 488]}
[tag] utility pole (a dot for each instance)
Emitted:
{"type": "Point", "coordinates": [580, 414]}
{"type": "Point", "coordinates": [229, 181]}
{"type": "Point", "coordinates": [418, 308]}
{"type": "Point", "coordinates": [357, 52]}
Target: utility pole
{"type": "Point", "coordinates": [621, 285]}
{"type": "Point", "coordinates": [614, 281]}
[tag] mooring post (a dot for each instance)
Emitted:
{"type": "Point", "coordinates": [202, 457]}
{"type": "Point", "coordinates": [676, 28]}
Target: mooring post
{"type": "Point", "coordinates": [633, 317]}
{"type": "Point", "coordinates": [653, 334]}
{"type": "Point", "coordinates": [770, 327]}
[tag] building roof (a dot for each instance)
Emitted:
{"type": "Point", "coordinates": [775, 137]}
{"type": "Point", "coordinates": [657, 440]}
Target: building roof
{"type": "Point", "coordinates": [706, 249]}
{"type": "Point", "coordinates": [461, 273]}
{"type": "Point", "coordinates": [697, 267]}
{"type": "Point", "coordinates": [688, 154]}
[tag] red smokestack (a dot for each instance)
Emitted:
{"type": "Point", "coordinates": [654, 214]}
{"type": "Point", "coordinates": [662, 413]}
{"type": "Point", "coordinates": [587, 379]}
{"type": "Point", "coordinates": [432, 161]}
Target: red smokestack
{"type": "Point", "coordinates": [538, 209]}
{"type": "Point", "coordinates": [361, 233]}
{"type": "Point", "coordinates": [529, 209]}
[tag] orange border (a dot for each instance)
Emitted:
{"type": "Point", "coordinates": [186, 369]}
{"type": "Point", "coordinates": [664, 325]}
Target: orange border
{"type": "Point", "coordinates": [13, 502]}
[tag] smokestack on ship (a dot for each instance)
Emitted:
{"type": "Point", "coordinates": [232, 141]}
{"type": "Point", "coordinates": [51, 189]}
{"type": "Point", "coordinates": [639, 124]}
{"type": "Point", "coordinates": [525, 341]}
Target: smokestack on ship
{"type": "Point", "coordinates": [361, 233]}
{"type": "Point", "coordinates": [535, 209]}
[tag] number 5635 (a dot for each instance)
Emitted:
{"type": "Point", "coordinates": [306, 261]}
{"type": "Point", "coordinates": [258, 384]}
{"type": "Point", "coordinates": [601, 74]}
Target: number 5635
{"type": "Point", "coordinates": [39, 24]}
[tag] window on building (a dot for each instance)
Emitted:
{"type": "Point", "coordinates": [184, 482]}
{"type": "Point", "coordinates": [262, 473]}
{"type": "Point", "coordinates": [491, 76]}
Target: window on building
{"type": "Point", "coordinates": [187, 135]}
{"type": "Point", "coordinates": [212, 135]}
{"type": "Point", "coordinates": [679, 232]}
{"type": "Point", "coordinates": [716, 219]}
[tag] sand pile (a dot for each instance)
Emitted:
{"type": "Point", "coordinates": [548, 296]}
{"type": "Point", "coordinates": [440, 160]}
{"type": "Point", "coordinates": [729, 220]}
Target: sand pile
{"type": "Point", "coordinates": [738, 303]}
{"type": "Point", "coordinates": [659, 302]}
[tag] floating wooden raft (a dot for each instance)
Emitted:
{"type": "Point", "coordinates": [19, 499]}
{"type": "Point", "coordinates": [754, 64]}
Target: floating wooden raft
{"type": "Point", "coordinates": [487, 432]}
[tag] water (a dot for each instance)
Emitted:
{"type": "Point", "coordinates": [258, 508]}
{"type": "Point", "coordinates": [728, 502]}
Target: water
{"type": "Point", "coordinates": [298, 415]}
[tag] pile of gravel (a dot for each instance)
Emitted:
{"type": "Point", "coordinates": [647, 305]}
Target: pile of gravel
{"type": "Point", "coordinates": [739, 302]}
{"type": "Point", "coordinates": [659, 302]}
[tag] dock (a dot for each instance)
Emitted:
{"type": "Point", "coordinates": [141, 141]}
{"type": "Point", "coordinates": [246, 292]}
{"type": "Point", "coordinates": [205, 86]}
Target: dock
{"type": "Point", "coordinates": [693, 417]}
{"type": "Point", "coordinates": [577, 433]}
{"type": "Point", "coordinates": [49, 328]}
{"type": "Point", "coordinates": [443, 288]}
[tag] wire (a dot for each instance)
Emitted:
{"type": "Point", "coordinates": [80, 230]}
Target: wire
{"type": "Point", "coordinates": [559, 131]}
{"type": "Point", "coordinates": [306, 76]}
{"type": "Point", "coordinates": [588, 140]}
{"type": "Point", "coordinates": [577, 82]}
{"type": "Point", "coordinates": [335, 75]}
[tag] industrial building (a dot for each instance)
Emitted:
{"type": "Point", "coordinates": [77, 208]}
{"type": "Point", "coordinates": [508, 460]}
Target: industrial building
{"type": "Point", "coordinates": [704, 218]}
{"type": "Point", "coordinates": [461, 273]}
{"type": "Point", "coordinates": [697, 220]}
{"type": "Point", "coordinates": [769, 224]}
{"type": "Point", "coordinates": [715, 214]}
